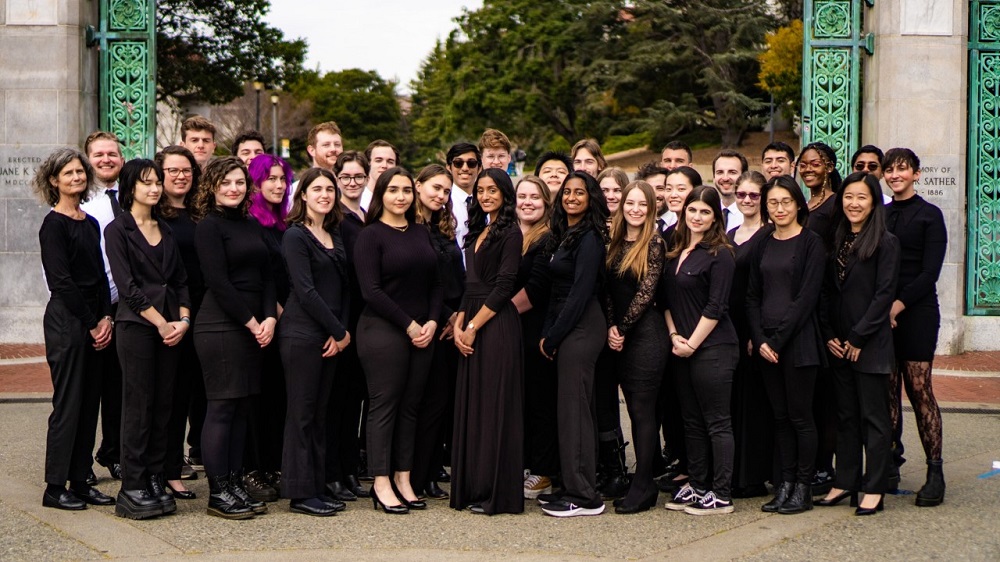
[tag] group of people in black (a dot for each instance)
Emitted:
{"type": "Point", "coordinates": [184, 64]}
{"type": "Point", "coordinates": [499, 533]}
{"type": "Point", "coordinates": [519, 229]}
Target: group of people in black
{"type": "Point", "coordinates": [366, 322]}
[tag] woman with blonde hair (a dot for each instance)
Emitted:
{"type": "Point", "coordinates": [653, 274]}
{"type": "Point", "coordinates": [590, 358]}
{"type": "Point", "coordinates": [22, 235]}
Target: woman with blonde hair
{"type": "Point", "coordinates": [637, 330]}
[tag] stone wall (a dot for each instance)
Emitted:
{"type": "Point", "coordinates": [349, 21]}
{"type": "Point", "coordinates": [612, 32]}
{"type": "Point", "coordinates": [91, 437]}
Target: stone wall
{"type": "Point", "coordinates": [48, 99]}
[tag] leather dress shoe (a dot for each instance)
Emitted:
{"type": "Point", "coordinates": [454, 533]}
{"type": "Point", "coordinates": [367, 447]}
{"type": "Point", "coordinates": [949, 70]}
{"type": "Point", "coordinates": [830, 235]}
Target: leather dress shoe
{"type": "Point", "coordinates": [355, 486]}
{"type": "Point", "coordinates": [312, 506]}
{"type": "Point", "coordinates": [434, 492]}
{"type": "Point", "coordinates": [91, 478]}
{"type": "Point", "coordinates": [871, 510]}
{"type": "Point", "coordinates": [339, 491]}
{"type": "Point", "coordinates": [336, 504]}
{"type": "Point", "coordinates": [156, 488]}
{"type": "Point", "coordinates": [62, 500]}
{"type": "Point", "coordinates": [442, 476]}
{"type": "Point", "coordinates": [91, 495]}
{"type": "Point", "coordinates": [114, 468]}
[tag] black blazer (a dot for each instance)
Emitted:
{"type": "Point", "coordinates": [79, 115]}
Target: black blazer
{"type": "Point", "coordinates": [143, 280]}
{"type": "Point", "coordinates": [797, 336]}
{"type": "Point", "coordinates": [857, 310]}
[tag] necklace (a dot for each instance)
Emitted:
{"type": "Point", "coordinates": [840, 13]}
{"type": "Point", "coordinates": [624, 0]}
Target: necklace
{"type": "Point", "coordinates": [822, 198]}
{"type": "Point", "coordinates": [401, 228]}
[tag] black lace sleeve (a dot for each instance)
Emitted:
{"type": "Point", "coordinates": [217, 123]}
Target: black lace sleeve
{"type": "Point", "coordinates": [644, 297]}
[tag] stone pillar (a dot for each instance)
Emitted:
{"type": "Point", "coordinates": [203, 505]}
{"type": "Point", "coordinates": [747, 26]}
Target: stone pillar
{"type": "Point", "coordinates": [48, 99]}
{"type": "Point", "coordinates": [915, 95]}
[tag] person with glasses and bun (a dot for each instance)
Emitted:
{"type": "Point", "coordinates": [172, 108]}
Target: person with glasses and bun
{"type": "Point", "coordinates": [180, 182]}
{"type": "Point", "coordinates": [464, 161]}
{"type": "Point", "coordinates": [349, 402]}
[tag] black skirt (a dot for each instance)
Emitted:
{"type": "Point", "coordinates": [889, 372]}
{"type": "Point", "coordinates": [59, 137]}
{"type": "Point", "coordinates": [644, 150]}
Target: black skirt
{"type": "Point", "coordinates": [230, 363]}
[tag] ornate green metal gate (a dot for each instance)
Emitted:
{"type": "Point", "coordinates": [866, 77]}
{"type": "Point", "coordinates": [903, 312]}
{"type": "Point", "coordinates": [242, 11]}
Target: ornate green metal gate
{"type": "Point", "coordinates": [983, 263]}
{"type": "Point", "coordinates": [831, 75]}
{"type": "Point", "coordinates": [127, 43]}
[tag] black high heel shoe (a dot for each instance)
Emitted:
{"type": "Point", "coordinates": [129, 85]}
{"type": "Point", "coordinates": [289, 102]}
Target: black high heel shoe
{"type": "Point", "coordinates": [838, 498]}
{"type": "Point", "coordinates": [181, 494]}
{"type": "Point", "coordinates": [417, 504]}
{"type": "Point", "coordinates": [390, 509]}
{"type": "Point", "coordinates": [880, 506]}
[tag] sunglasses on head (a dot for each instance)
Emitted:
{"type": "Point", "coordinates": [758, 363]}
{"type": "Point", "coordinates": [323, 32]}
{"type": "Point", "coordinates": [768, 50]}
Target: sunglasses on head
{"type": "Point", "coordinates": [471, 163]}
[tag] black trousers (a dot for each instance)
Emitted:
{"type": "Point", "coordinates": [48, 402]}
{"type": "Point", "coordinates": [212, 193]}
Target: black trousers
{"type": "Point", "coordinates": [343, 416]}
{"type": "Point", "coordinates": [189, 384]}
{"type": "Point", "coordinates": [429, 452]}
{"type": "Point", "coordinates": [541, 436]}
{"type": "Point", "coordinates": [265, 427]}
{"type": "Point", "coordinates": [397, 374]}
{"type": "Point", "coordinates": [609, 427]}
{"type": "Point", "coordinates": [790, 392]}
{"type": "Point", "coordinates": [671, 421]}
{"type": "Point", "coordinates": [863, 415]}
{"type": "Point", "coordinates": [309, 380]}
{"type": "Point", "coordinates": [825, 415]}
{"type": "Point", "coordinates": [110, 450]}
{"type": "Point", "coordinates": [76, 371]}
{"type": "Point", "coordinates": [149, 373]}
{"type": "Point", "coordinates": [576, 360]}
{"type": "Point", "coordinates": [705, 389]}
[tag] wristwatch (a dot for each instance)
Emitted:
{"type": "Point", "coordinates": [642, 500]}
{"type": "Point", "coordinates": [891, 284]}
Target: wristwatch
{"type": "Point", "coordinates": [471, 326]}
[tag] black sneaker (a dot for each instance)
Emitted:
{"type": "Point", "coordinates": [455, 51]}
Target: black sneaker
{"type": "Point", "coordinates": [710, 505]}
{"type": "Point", "coordinates": [569, 509]}
{"type": "Point", "coordinates": [549, 498]}
{"type": "Point", "coordinates": [683, 498]}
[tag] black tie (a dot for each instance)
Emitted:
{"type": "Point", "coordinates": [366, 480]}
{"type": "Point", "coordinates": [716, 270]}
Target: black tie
{"type": "Point", "coordinates": [661, 224]}
{"type": "Point", "coordinates": [725, 218]}
{"type": "Point", "coordinates": [116, 209]}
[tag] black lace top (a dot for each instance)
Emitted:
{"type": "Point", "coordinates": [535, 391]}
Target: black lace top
{"type": "Point", "coordinates": [844, 254]}
{"type": "Point", "coordinates": [626, 298]}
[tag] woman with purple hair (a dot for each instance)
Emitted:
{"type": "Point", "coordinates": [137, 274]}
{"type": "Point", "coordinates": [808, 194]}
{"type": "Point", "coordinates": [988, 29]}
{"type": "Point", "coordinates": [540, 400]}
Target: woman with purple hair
{"type": "Point", "coordinates": [271, 177]}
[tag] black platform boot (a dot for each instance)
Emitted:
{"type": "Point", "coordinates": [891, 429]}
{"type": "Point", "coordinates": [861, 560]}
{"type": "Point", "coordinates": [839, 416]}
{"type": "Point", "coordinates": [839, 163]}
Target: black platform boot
{"type": "Point", "coordinates": [781, 494]}
{"type": "Point", "coordinates": [137, 504]}
{"type": "Point", "coordinates": [612, 455]}
{"type": "Point", "coordinates": [223, 503]}
{"type": "Point", "coordinates": [932, 493]}
{"type": "Point", "coordinates": [237, 489]}
{"type": "Point", "coordinates": [157, 490]}
{"type": "Point", "coordinates": [800, 500]}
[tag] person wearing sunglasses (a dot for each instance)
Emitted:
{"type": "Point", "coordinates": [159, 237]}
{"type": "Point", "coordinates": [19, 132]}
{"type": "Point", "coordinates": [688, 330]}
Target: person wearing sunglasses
{"type": "Point", "coordinates": [751, 427]}
{"type": "Point", "coordinates": [464, 161]}
{"type": "Point", "coordinates": [868, 159]}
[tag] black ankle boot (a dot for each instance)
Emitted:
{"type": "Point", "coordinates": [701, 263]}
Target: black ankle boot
{"type": "Point", "coordinates": [932, 493]}
{"type": "Point", "coordinates": [800, 500]}
{"type": "Point", "coordinates": [615, 483]}
{"type": "Point", "coordinates": [237, 489]}
{"type": "Point", "coordinates": [223, 503]}
{"type": "Point", "coordinates": [157, 490]}
{"type": "Point", "coordinates": [781, 494]}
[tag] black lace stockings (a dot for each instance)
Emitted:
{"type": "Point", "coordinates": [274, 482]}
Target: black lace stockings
{"type": "Point", "coordinates": [916, 377]}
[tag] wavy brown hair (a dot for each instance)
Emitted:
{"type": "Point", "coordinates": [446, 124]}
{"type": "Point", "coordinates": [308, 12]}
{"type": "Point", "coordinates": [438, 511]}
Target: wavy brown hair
{"type": "Point", "coordinates": [43, 188]}
{"type": "Point", "coordinates": [636, 259]}
{"type": "Point", "coordinates": [716, 237]}
{"type": "Point", "coordinates": [540, 228]}
{"type": "Point", "coordinates": [443, 217]}
{"type": "Point", "coordinates": [204, 200]}
{"type": "Point", "coordinates": [298, 213]}
{"type": "Point", "coordinates": [164, 207]}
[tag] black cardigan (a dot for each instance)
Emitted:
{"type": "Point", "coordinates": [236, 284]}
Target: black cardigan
{"type": "Point", "coordinates": [317, 306]}
{"type": "Point", "coordinates": [143, 280]}
{"type": "Point", "coordinates": [857, 310]}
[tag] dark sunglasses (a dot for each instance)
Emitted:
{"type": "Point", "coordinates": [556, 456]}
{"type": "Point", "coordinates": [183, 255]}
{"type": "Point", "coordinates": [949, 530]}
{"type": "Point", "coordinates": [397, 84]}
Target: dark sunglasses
{"type": "Point", "coordinates": [860, 166]}
{"type": "Point", "coordinates": [744, 194]}
{"type": "Point", "coordinates": [471, 163]}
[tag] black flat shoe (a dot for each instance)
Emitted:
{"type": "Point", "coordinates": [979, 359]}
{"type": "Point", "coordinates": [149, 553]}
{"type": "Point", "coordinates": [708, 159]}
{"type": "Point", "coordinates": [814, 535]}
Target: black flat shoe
{"type": "Point", "coordinates": [64, 500]}
{"type": "Point", "coordinates": [340, 492]}
{"type": "Point", "coordinates": [91, 478]}
{"type": "Point", "coordinates": [91, 495]}
{"type": "Point", "coordinates": [838, 498]}
{"type": "Point", "coordinates": [311, 506]}
{"type": "Point", "coordinates": [182, 494]}
{"type": "Point", "coordinates": [442, 476]}
{"type": "Point", "coordinates": [644, 505]}
{"type": "Point", "coordinates": [355, 486]}
{"type": "Point", "coordinates": [871, 510]}
{"type": "Point", "coordinates": [434, 492]}
{"type": "Point", "coordinates": [477, 509]}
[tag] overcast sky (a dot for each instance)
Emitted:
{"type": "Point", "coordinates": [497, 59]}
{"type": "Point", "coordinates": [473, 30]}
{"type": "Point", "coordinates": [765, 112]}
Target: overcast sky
{"type": "Point", "coordinates": [389, 36]}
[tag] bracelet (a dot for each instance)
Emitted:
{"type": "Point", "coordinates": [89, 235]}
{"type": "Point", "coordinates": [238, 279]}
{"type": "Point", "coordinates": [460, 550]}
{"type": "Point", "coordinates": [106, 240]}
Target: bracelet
{"type": "Point", "coordinates": [672, 334]}
{"type": "Point", "coordinates": [692, 347]}
{"type": "Point", "coordinates": [186, 320]}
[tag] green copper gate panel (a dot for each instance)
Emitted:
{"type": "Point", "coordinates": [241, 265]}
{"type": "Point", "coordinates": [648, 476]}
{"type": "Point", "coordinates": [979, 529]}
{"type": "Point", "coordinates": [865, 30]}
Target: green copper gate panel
{"type": "Point", "coordinates": [831, 75]}
{"type": "Point", "coordinates": [127, 41]}
{"type": "Point", "coordinates": [982, 276]}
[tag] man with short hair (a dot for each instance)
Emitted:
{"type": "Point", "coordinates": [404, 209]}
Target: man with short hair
{"type": "Point", "coordinates": [777, 159]}
{"type": "Point", "coordinates": [247, 145]}
{"type": "Point", "coordinates": [495, 148]}
{"type": "Point", "coordinates": [324, 144]}
{"type": "Point", "coordinates": [198, 136]}
{"type": "Point", "coordinates": [675, 154]}
{"type": "Point", "coordinates": [381, 155]}
{"type": "Point", "coordinates": [656, 177]}
{"type": "Point", "coordinates": [727, 167]}
{"type": "Point", "coordinates": [103, 149]}
{"type": "Point", "coordinates": [464, 162]}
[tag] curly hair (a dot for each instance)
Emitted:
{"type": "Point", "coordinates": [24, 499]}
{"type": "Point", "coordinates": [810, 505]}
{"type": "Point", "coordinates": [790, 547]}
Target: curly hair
{"type": "Point", "coordinates": [829, 158]}
{"type": "Point", "coordinates": [43, 188]}
{"type": "Point", "coordinates": [216, 171]}
{"type": "Point", "coordinates": [506, 215]}
{"type": "Point", "coordinates": [443, 218]}
{"type": "Point", "coordinates": [596, 216]}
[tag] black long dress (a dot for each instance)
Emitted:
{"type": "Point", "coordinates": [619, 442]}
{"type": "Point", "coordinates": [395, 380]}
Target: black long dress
{"type": "Point", "coordinates": [488, 443]}
{"type": "Point", "coordinates": [753, 429]}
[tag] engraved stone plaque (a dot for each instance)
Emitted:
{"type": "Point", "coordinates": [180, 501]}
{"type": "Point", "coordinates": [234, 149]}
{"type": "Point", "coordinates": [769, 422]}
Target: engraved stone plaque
{"type": "Point", "coordinates": [927, 17]}
{"type": "Point", "coordinates": [32, 12]}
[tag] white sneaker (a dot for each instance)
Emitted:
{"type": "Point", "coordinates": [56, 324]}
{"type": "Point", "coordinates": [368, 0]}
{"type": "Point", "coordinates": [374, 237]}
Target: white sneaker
{"type": "Point", "coordinates": [567, 509]}
{"type": "Point", "coordinates": [536, 485]}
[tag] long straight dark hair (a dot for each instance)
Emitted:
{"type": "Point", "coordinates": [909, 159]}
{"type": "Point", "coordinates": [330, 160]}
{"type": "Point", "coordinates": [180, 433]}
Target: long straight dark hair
{"type": "Point", "coordinates": [506, 216]}
{"type": "Point", "coordinates": [376, 207]}
{"type": "Point", "coordinates": [868, 240]}
{"type": "Point", "coordinates": [716, 237]}
{"type": "Point", "coordinates": [595, 218]}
